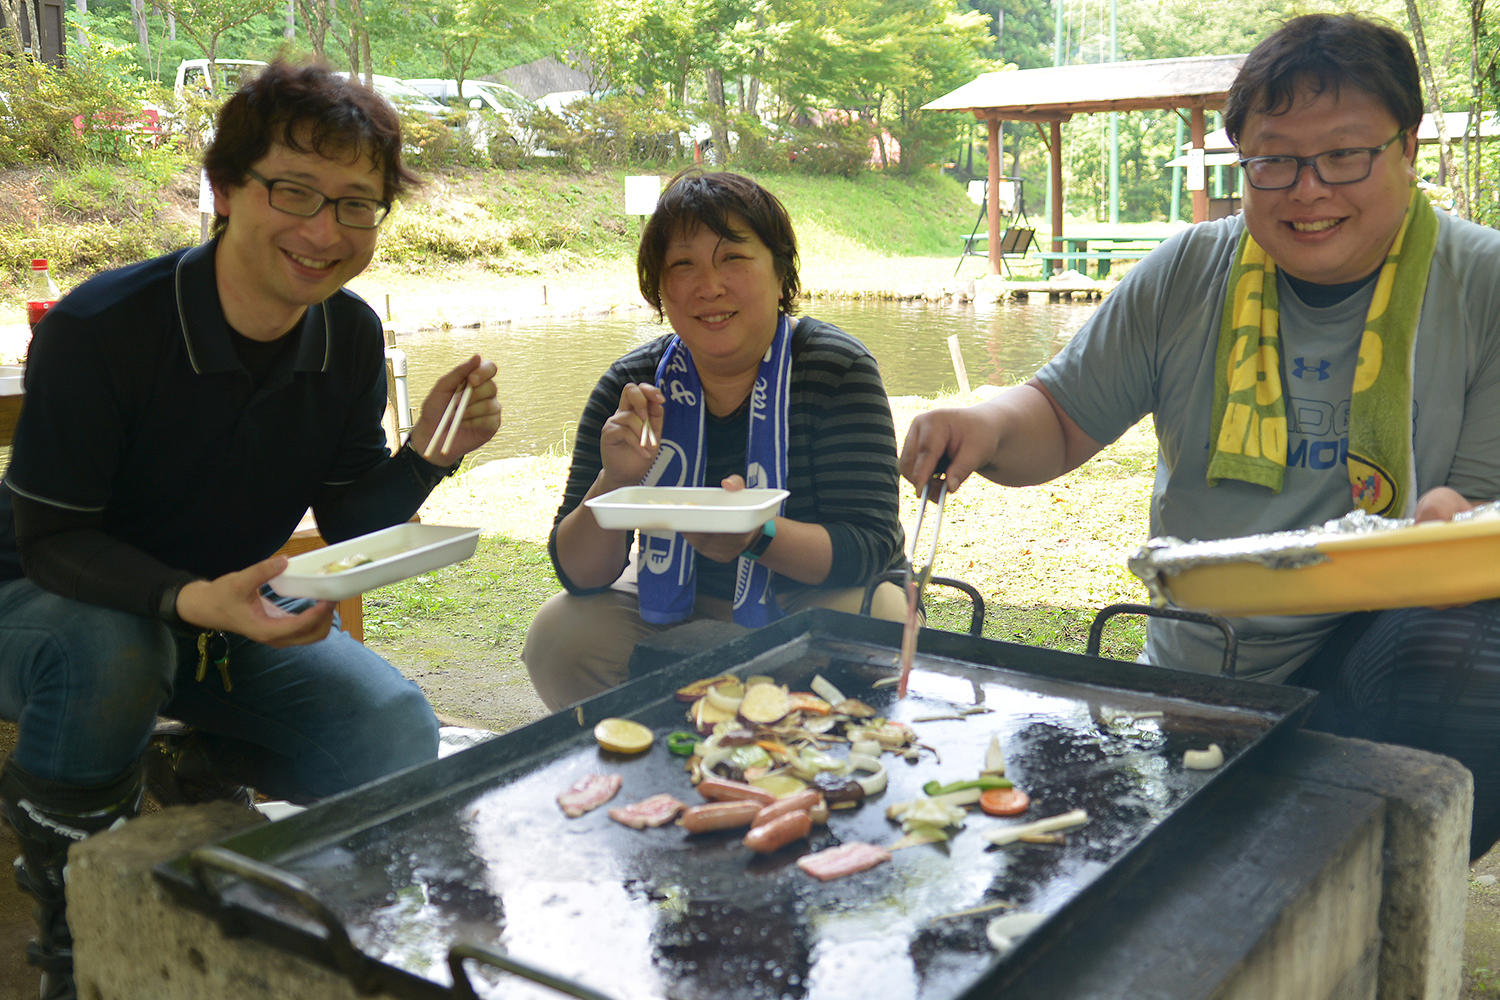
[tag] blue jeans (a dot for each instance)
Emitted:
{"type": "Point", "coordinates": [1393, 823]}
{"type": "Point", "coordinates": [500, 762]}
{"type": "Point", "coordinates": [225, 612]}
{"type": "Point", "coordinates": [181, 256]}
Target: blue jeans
{"type": "Point", "coordinates": [1422, 677]}
{"type": "Point", "coordinates": [85, 684]}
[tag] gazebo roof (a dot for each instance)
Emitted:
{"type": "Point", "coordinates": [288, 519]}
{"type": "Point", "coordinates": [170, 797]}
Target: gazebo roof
{"type": "Point", "coordinates": [1057, 93]}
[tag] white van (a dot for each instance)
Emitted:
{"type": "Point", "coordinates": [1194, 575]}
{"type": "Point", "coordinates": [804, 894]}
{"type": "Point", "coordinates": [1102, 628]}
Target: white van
{"type": "Point", "coordinates": [229, 76]}
{"type": "Point", "coordinates": [498, 105]}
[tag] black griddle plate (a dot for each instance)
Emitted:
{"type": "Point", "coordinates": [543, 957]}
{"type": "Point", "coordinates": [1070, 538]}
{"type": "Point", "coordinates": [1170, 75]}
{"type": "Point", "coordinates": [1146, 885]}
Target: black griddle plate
{"type": "Point", "coordinates": [473, 849]}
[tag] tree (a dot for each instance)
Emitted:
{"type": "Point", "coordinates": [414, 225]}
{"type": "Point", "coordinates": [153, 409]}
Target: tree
{"type": "Point", "coordinates": [1435, 103]}
{"type": "Point", "coordinates": [206, 21]}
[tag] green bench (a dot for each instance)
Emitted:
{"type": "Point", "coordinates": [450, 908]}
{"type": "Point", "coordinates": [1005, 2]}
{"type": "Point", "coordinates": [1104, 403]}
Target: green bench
{"type": "Point", "coordinates": [1103, 257]}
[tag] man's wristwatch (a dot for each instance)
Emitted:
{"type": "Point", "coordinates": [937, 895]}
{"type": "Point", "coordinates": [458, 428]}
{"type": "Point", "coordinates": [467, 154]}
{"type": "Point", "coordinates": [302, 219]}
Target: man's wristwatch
{"type": "Point", "coordinates": [757, 548]}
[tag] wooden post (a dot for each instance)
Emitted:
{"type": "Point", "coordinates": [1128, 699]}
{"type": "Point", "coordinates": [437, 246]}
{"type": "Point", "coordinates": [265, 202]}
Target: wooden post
{"type": "Point", "coordinates": [992, 192]}
{"type": "Point", "coordinates": [1200, 198]}
{"type": "Point", "coordinates": [1057, 187]}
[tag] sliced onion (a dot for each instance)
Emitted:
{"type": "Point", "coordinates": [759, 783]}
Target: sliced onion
{"type": "Point", "coordinates": [874, 782]}
{"type": "Point", "coordinates": [824, 689]}
{"type": "Point", "coordinates": [724, 702]}
{"type": "Point", "coordinates": [870, 748]}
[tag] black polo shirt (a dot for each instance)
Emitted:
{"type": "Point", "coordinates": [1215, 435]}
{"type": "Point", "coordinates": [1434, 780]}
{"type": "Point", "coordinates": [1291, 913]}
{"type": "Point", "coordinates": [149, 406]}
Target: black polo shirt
{"type": "Point", "coordinates": [138, 408]}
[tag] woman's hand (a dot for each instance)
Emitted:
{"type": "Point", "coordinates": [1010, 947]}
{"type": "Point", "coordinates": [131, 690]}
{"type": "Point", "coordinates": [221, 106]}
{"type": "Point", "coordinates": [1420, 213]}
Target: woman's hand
{"type": "Point", "coordinates": [721, 546]}
{"type": "Point", "coordinates": [631, 437]}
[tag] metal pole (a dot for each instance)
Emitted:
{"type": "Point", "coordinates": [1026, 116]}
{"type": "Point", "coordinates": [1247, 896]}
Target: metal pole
{"type": "Point", "coordinates": [1114, 122]}
{"type": "Point", "coordinates": [1177, 175]}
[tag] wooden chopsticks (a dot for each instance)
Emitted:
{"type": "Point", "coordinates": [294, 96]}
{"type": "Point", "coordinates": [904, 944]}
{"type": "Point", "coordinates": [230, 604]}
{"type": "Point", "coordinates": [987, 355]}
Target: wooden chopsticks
{"type": "Point", "coordinates": [454, 412]}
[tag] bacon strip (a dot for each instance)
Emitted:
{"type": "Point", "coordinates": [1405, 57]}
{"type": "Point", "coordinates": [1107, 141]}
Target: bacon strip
{"type": "Point", "coordinates": [845, 859]}
{"type": "Point", "coordinates": [658, 810]}
{"type": "Point", "coordinates": [589, 792]}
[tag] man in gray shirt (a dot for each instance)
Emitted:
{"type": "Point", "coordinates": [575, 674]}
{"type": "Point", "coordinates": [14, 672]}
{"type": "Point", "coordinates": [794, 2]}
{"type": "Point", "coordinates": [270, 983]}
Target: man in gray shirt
{"type": "Point", "coordinates": [1256, 343]}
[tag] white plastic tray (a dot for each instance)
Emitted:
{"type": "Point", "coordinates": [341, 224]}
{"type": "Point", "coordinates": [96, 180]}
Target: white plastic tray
{"type": "Point", "coordinates": [686, 508]}
{"type": "Point", "coordinates": [395, 553]}
{"type": "Point", "coordinates": [10, 379]}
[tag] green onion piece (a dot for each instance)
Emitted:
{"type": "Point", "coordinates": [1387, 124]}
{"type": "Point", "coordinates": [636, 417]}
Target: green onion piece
{"type": "Point", "coordinates": [936, 787]}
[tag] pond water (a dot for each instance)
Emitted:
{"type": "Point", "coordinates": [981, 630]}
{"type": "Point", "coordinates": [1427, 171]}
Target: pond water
{"type": "Point", "coordinates": [549, 365]}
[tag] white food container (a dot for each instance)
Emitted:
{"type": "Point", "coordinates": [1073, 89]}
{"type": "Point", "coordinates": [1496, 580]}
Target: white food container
{"type": "Point", "coordinates": [395, 554]}
{"type": "Point", "coordinates": [686, 508]}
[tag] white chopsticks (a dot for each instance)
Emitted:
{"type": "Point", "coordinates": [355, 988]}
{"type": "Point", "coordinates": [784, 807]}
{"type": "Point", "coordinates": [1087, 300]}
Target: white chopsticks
{"type": "Point", "coordinates": [454, 411]}
{"type": "Point", "coordinates": [648, 436]}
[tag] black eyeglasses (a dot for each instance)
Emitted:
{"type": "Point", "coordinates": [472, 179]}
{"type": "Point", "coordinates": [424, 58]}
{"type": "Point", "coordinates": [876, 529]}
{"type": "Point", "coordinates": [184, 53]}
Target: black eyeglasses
{"type": "Point", "coordinates": [295, 198]}
{"type": "Point", "coordinates": [1337, 166]}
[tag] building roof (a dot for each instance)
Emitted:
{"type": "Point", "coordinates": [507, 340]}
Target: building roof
{"type": "Point", "coordinates": [543, 76]}
{"type": "Point", "coordinates": [1059, 92]}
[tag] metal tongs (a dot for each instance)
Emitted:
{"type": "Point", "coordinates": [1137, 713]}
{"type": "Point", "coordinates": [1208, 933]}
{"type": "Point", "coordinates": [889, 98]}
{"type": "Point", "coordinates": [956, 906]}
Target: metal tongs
{"type": "Point", "coordinates": [916, 579]}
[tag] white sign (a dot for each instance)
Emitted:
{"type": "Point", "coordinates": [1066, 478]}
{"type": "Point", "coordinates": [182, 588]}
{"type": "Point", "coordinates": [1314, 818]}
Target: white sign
{"type": "Point", "coordinates": [205, 194]}
{"type": "Point", "coordinates": [1197, 173]}
{"type": "Point", "coordinates": [641, 194]}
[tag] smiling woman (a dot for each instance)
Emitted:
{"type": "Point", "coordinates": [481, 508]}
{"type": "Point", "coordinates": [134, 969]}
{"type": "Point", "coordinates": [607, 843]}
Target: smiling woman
{"type": "Point", "coordinates": [741, 394]}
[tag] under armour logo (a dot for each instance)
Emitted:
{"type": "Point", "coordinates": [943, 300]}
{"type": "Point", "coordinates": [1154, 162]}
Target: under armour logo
{"type": "Point", "coordinates": [1301, 369]}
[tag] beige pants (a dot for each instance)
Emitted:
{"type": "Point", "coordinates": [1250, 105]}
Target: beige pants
{"type": "Point", "coordinates": [577, 647]}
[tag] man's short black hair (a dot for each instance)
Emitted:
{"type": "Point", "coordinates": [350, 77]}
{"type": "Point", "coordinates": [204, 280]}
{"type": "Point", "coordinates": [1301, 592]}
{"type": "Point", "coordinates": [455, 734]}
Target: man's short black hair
{"type": "Point", "coordinates": [309, 109]}
{"type": "Point", "coordinates": [696, 198]}
{"type": "Point", "coordinates": [1326, 52]}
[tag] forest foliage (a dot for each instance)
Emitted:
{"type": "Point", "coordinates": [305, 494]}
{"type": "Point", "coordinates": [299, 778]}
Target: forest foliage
{"type": "Point", "coordinates": [817, 86]}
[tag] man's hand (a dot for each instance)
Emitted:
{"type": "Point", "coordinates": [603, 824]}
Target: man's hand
{"type": "Point", "coordinates": [233, 603]}
{"type": "Point", "coordinates": [1440, 504]}
{"type": "Point", "coordinates": [964, 435]}
{"type": "Point", "coordinates": [476, 424]}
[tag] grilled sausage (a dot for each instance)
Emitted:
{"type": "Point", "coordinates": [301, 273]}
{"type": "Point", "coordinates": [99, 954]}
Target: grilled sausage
{"type": "Point", "coordinates": [724, 790]}
{"type": "Point", "coordinates": [718, 816]}
{"type": "Point", "coordinates": [806, 799]}
{"type": "Point", "coordinates": [778, 832]}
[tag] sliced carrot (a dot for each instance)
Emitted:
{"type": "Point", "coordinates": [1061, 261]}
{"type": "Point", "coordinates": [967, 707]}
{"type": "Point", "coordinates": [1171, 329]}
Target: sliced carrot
{"type": "Point", "coordinates": [1004, 801]}
{"type": "Point", "coordinates": [806, 701]}
{"type": "Point", "coordinates": [775, 748]}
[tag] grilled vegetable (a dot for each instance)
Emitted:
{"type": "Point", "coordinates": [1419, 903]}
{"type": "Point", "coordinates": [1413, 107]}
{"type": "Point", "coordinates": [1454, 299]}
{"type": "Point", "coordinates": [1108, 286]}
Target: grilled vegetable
{"type": "Point", "coordinates": [765, 704]}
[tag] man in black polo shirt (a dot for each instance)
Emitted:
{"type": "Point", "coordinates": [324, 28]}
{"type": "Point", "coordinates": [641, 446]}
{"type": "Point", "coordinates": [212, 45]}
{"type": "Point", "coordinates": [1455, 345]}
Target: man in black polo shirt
{"type": "Point", "coordinates": [181, 416]}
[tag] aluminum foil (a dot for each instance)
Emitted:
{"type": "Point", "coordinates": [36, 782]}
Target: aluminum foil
{"type": "Point", "coordinates": [1160, 558]}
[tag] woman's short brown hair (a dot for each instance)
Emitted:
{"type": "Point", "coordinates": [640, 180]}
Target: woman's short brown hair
{"type": "Point", "coordinates": [696, 198]}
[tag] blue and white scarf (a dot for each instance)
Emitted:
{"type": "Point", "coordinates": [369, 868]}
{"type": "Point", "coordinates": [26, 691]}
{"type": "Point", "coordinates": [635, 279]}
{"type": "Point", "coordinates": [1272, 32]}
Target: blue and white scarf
{"type": "Point", "coordinates": [666, 570]}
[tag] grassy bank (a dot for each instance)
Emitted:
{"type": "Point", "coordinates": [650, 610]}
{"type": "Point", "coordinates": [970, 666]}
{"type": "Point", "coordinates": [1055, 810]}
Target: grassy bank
{"type": "Point", "coordinates": [536, 221]}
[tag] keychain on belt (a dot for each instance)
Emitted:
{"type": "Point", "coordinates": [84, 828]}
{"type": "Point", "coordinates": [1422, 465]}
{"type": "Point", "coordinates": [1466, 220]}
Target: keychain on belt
{"type": "Point", "coordinates": [214, 646]}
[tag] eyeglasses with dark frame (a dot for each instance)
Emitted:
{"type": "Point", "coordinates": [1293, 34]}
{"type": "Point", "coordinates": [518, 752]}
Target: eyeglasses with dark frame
{"type": "Point", "coordinates": [1336, 166]}
{"type": "Point", "coordinates": [296, 198]}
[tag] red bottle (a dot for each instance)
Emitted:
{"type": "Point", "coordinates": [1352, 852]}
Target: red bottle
{"type": "Point", "coordinates": [44, 293]}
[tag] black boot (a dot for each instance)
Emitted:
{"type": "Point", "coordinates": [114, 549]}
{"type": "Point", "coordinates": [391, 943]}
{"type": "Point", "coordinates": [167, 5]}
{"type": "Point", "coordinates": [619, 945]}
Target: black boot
{"type": "Point", "coordinates": [180, 770]}
{"type": "Point", "coordinates": [48, 818]}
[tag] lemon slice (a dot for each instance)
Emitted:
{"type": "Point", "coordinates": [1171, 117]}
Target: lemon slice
{"type": "Point", "coordinates": [622, 735]}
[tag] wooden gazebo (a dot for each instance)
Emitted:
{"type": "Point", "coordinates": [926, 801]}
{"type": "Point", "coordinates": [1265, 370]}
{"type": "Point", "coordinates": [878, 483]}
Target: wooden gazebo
{"type": "Point", "coordinates": [1054, 95]}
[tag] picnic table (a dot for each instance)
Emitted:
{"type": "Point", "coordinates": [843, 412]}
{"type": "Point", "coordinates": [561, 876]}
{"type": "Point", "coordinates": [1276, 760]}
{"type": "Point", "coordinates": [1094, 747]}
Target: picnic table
{"type": "Point", "coordinates": [1107, 248]}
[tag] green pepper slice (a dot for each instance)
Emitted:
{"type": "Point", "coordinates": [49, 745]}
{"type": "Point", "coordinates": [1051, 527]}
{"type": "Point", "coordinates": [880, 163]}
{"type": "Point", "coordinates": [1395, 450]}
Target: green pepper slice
{"type": "Point", "coordinates": [682, 743]}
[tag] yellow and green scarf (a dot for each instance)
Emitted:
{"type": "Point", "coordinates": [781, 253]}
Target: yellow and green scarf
{"type": "Point", "coordinates": [1249, 416]}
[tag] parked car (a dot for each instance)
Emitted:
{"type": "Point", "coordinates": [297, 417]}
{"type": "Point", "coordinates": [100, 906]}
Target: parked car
{"type": "Point", "coordinates": [404, 96]}
{"type": "Point", "coordinates": [498, 112]}
{"type": "Point", "coordinates": [229, 76]}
